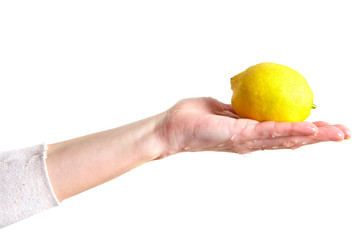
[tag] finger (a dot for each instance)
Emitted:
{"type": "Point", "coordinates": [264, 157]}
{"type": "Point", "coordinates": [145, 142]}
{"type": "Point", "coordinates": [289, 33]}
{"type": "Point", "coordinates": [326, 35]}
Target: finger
{"type": "Point", "coordinates": [330, 133]}
{"type": "Point", "coordinates": [271, 129]}
{"type": "Point", "coordinates": [229, 107]}
{"type": "Point", "coordinates": [321, 123]}
{"type": "Point", "coordinates": [326, 133]}
{"type": "Point", "coordinates": [345, 130]}
{"type": "Point", "coordinates": [227, 114]}
{"type": "Point", "coordinates": [290, 142]}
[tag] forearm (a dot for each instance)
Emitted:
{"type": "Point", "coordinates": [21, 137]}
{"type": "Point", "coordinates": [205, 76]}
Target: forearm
{"type": "Point", "coordinates": [82, 163]}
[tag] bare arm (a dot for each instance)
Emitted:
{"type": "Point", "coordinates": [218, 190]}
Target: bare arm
{"type": "Point", "coordinates": [85, 162]}
{"type": "Point", "coordinates": [201, 124]}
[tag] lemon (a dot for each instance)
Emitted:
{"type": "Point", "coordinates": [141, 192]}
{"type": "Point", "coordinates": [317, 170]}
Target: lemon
{"type": "Point", "coordinates": [271, 92]}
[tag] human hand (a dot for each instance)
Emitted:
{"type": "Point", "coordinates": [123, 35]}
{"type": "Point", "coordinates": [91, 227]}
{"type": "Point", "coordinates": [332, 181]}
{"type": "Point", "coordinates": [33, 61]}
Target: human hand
{"type": "Point", "coordinates": [205, 124]}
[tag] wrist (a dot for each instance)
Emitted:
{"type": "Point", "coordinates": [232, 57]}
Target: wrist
{"type": "Point", "coordinates": [169, 133]}
{"type": "Point", "coordinates": [162, 147]}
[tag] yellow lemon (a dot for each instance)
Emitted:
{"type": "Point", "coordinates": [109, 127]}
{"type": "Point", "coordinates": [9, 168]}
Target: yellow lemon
{"type": "Point", "coordinates": [271, 92]}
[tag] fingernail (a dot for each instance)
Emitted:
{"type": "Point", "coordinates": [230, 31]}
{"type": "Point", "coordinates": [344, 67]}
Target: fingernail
{"type": "Point", "coordinates": [339, 137]}
{"type": "Point", "coordinates": [313, 130]}
{"type": "Point", "coordinates": [347, 134]}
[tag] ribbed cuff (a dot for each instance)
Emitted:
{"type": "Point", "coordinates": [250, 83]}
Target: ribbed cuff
{"type": "Point", "coordinates": [25, 188]}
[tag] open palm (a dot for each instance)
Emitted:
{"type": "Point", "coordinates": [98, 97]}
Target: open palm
{"type": "Point", "coordinates": [205, 124]}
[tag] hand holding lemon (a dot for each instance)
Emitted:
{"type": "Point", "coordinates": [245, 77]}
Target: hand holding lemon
{"type": "Point", "coordinates": [269, 105]}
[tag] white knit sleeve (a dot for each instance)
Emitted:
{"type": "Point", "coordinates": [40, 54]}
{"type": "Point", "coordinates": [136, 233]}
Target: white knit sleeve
{"type": "Point", "coordinates": [25, 188]}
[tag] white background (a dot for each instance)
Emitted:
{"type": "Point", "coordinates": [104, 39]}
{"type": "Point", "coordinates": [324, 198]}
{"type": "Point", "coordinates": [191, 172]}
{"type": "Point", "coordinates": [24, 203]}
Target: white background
{"type": "Point", "coordinates": [70, 68]}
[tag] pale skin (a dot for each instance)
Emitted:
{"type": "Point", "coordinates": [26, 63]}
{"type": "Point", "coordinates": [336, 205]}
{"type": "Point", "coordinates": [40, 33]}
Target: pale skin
{"type": "Point", "coordinates": [199, 124]}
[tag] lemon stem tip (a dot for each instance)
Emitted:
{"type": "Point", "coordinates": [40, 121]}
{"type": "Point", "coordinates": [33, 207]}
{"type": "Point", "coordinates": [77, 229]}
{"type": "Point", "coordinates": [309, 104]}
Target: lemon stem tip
{"type": "Point", "coordinates": [313, 106]}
